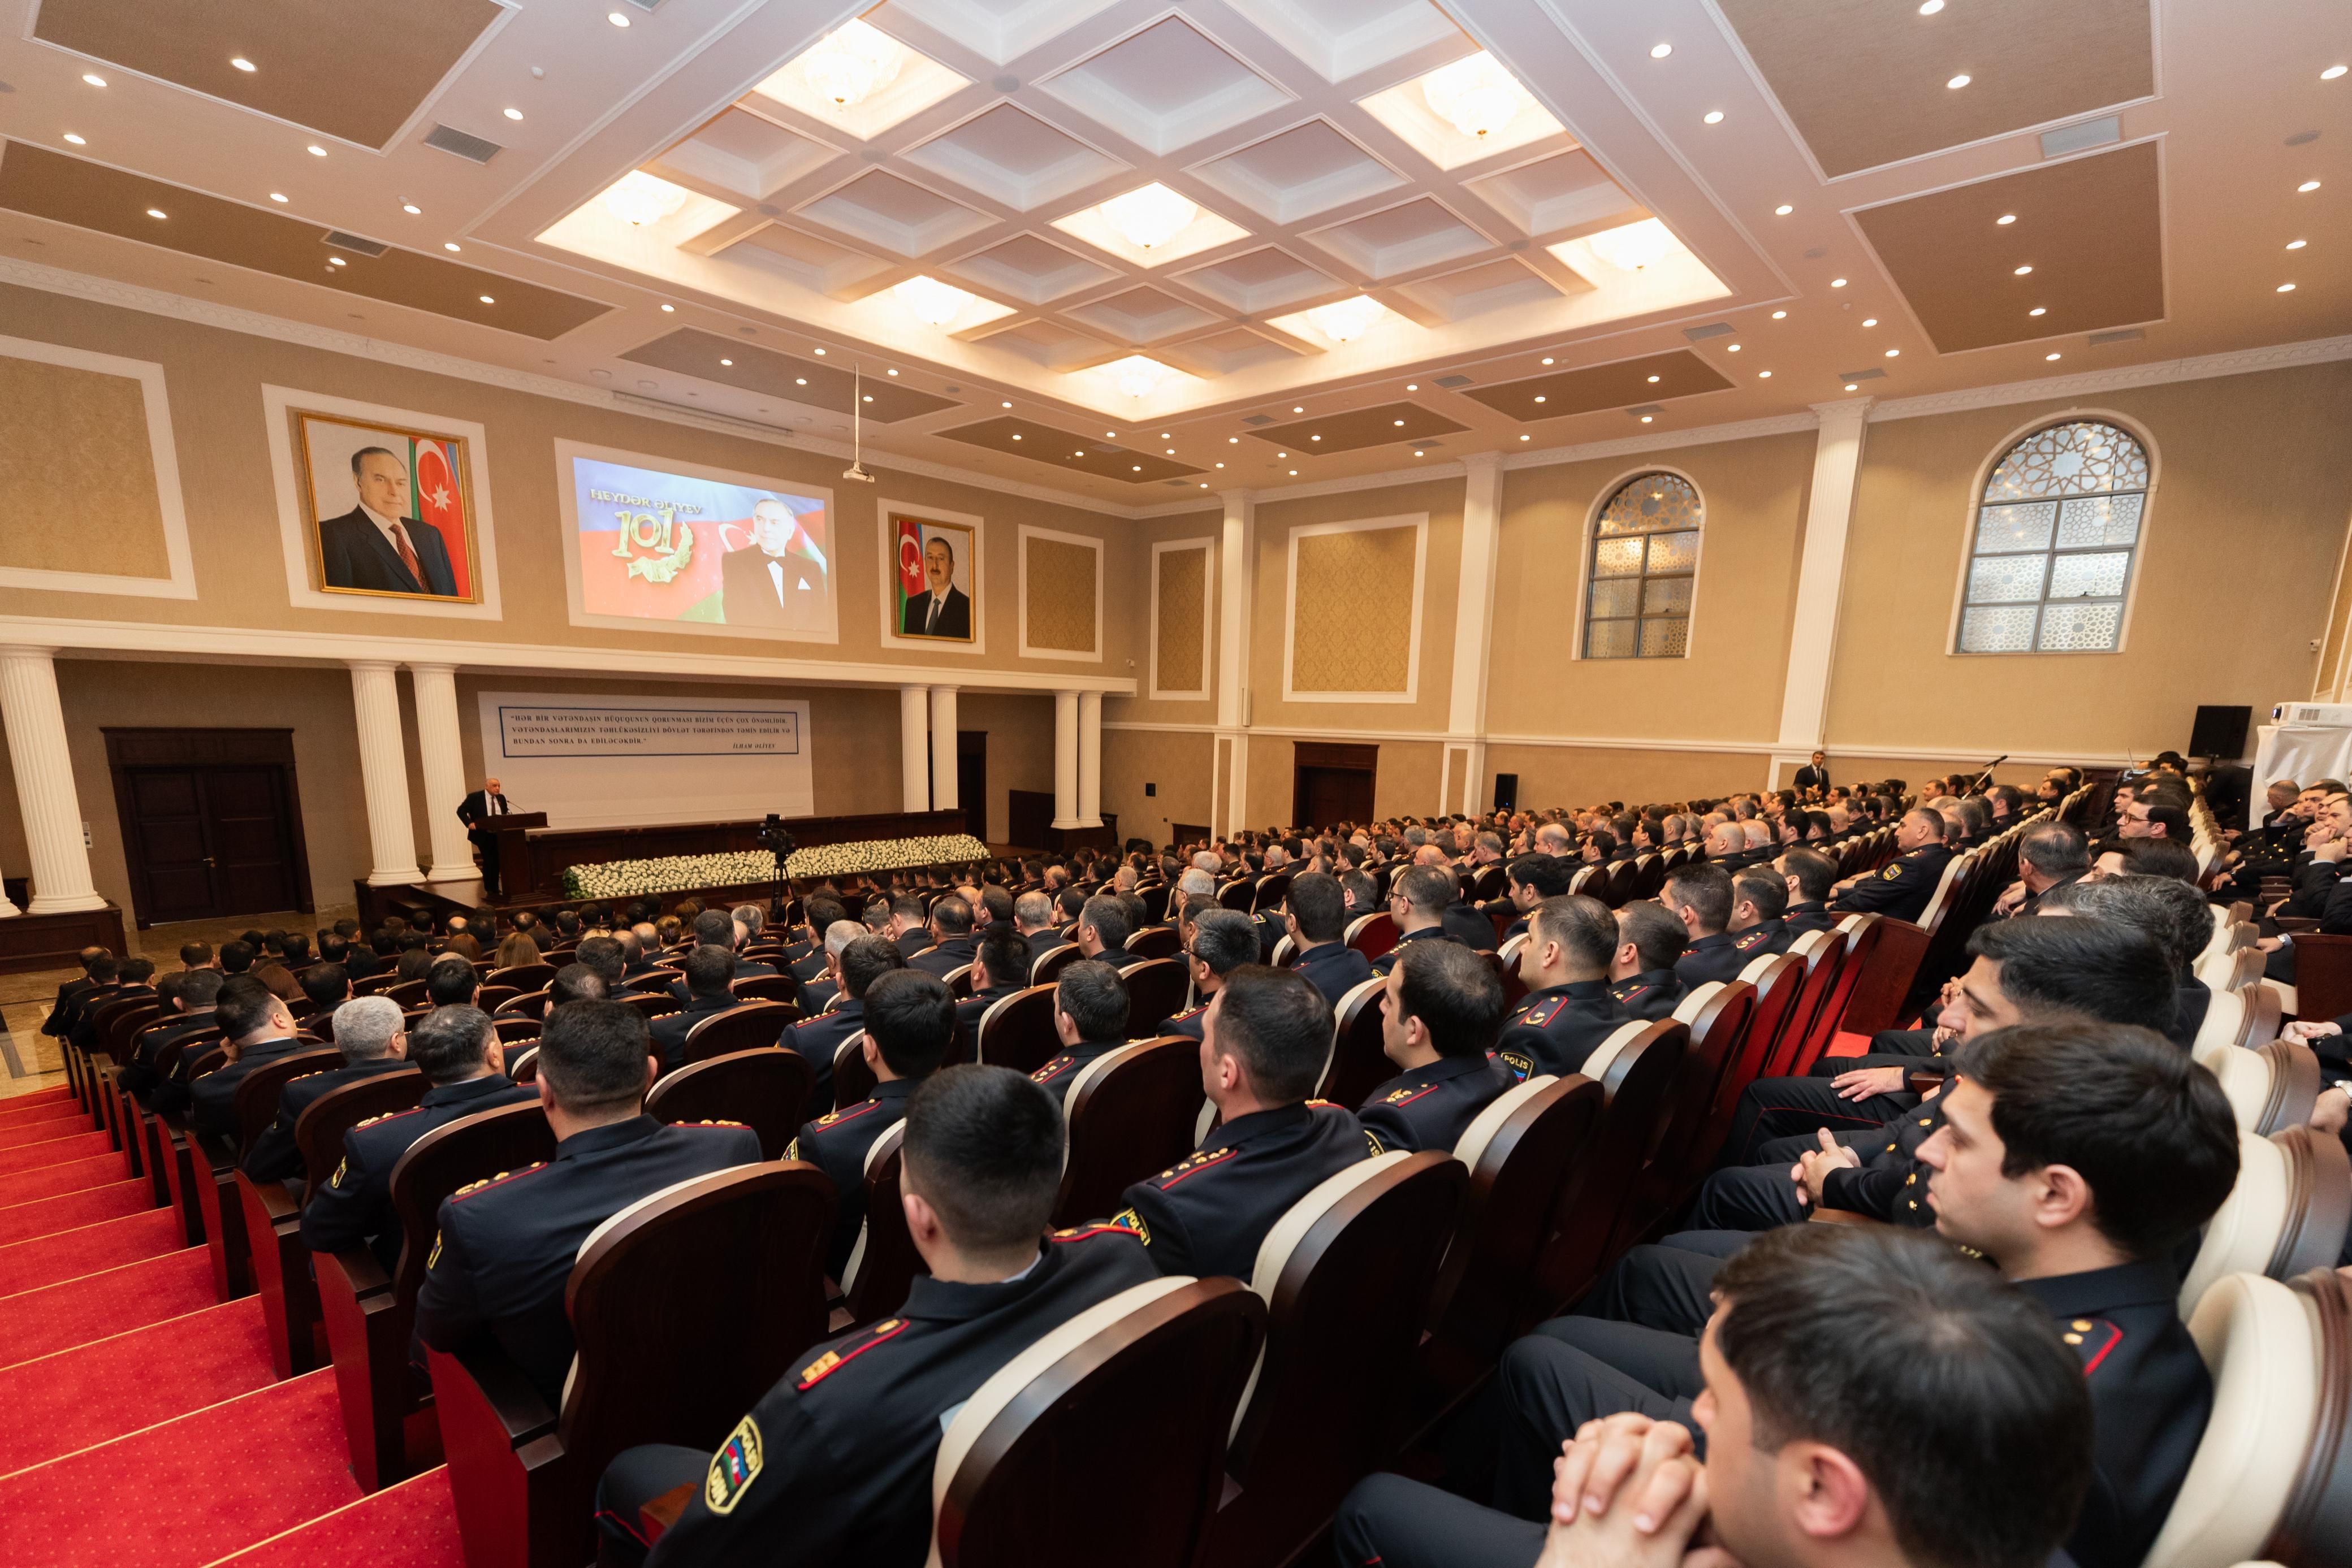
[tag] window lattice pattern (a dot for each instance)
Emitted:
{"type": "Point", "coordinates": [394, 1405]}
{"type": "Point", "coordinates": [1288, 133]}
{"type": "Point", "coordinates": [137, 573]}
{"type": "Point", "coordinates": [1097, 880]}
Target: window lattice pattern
{"type": "Point", "coordinates": [2055, 536]}
{"type": "Point", "coordinates": [1644, 560]}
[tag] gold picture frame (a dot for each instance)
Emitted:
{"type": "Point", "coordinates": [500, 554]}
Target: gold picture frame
{"type": "Point", "coordinates": [350, 472]}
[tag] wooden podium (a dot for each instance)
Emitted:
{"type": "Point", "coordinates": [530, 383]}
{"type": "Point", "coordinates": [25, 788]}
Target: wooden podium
{"type": "Point", "coordinates": [514, 850]}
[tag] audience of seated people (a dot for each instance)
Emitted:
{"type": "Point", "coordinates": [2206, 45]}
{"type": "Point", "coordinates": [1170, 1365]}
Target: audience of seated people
{"type": "Point", "coordinates": [1440, 1010]}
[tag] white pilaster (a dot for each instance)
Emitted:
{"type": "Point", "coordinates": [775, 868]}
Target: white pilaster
{"type": "Point", "coordinates": [35, 722]}
{"type": "Point", "coordinates": [1065, 759]}
{"type": "Point", "coordinates": [1473, 622]}
{"type": "Point", "coordinates": [943, 748]}
{"type": "Point", "coordinates": [1090, 759]}
{"type": "Point", "coordinates": [1236, 566]}
{"type": "Point", "coordinates": [1820, 577]}
{"type": "Point", "coordinates": [439, 748]}
{"type": "Point", "coordinates": [915, 748]}
{"type": "Point", "coordinates": [383, 774]}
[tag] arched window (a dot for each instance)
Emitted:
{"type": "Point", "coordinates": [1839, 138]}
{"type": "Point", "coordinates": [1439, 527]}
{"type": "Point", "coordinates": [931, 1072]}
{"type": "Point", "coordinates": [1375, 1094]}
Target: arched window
{"type": "Point", "coordinates": [1644, 560]}
{"type": "Point", "coordinates": [2055, 534]}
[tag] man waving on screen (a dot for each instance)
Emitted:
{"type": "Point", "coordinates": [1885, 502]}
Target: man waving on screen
{"type": "Point", "coordinates": [779, 579]}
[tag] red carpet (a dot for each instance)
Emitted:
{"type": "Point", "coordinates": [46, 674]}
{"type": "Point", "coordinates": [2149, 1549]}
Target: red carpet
{"type": "Point", "coordinates": [411, 1525]}
{"type": "Point", "coordinates": [36, 1116]}
{"type": "Point", "coordinates": [58, 1317]}
{"type": "Point", "coordinates": [49, 1096]}
{"type": "Point", "coordinates": [55, 1148]}
{"type": "Point", "coordinates": [69, 1254]}
{"type": "Point", "coordinates": [43, 1216]}
{"type": "Point", "coordinates": [189, 1491]}
{"type": "Point", "coordinates": [93, 1392]}
{"type": "Point", "coordinates": [67, 1175]}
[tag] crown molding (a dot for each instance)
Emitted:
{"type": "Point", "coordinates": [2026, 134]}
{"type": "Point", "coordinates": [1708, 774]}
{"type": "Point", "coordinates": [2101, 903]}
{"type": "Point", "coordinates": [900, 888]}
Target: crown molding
{"type": "Point", "coordinates": [2154, 372]}
{"type": "Point", "coordinates": [254, 323]}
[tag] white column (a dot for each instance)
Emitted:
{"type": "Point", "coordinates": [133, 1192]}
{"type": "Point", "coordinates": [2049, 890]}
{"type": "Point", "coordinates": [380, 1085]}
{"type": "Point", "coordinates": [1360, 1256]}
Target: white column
{"type": "Point", "coordinates": [1065, 759]}
{"type": "Point", "coordinates": [1237, 567]}
{"type": "Point", "coordinates": [383, 774]}
{"type": "Point", "coordinates": [915, 748]}
{"type": "Point", "coordinates": [1090, 759]}
{"type": "Point", "coordinates": [35, 722]}
{"type": "Point", "coordinates": [1474, 620]}
{"type": "Point", "coordinates": [943, 748]}
{"type": "Point", "coordinates": [1821, 578]}
{"type": "Point", "coordinates": [440, 750]}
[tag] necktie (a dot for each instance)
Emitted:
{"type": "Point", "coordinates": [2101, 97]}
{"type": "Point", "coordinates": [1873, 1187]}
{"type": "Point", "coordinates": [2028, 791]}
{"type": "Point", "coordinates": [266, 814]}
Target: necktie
{"type": "Point", "coordinates": [407, 556]}
{"type": "Point", "coordinates": [931, 621]}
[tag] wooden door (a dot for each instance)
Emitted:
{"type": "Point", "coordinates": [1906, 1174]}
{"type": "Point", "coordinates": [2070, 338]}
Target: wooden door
{"type": "Point", "coordinates": [171, 863]}
{"type": "Point", "coordinates": [971, 779]}
{"type": "Point", "coordinates": [1332, 783]}
{"type": "Point", "coordinates": [212, 824]}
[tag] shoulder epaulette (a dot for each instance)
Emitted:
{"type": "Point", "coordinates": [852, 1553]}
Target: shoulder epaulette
{"type": "Point", "coordinates": [1540, 1015]}
{"type": "Point", "coordinates": [2093, 1339]}
{"type": "Point", "coordinates": [1747, 939]}
{"type": "Point", "coordinates": [387, 1116]}
{"type": "Point", "coordinates": [835, 1118]}
{"type": "Point", "coordinates": [849, 1349]}
{"type": "Point", "coordinates": [1053, 1069]}
{"type": "Point", "coordinates": [1191, 1165]}
{"type": "Point", "coordinates": [473, 1186]}
{"type": "Point", "coordinates": [1190, 1012]}
{"type": "Point", "coordinates": [1407, 1096]}
{"type": "Point", "coordinates": [1100, 1228]}
{"type": "Point", "coordinates": [709, 1124]}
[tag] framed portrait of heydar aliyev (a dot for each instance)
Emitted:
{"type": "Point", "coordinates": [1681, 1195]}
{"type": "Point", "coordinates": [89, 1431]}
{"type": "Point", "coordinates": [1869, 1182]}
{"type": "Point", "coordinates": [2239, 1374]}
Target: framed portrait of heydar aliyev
{"type": "Point", "coordinates": [389, 509]}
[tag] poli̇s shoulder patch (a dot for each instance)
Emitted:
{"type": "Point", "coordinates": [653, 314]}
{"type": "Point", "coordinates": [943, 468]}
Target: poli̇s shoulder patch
{"type": "Point", "coordinates": [733, 1468]}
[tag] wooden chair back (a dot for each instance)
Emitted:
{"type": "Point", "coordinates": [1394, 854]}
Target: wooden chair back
{"type": "Point", "coordinates": [1506, 971]}
{"type": "Point", "coordinates": [769, 989]}
{"type": "Point", "coordinates": [1357, 1065]}
{"type": "Point", "coordinates": [1862, 935]}
{"type": "Point", "coordinates": [522, 1065]}
{"type": "Point", "coordinates": [471, 1148]}
{"type": "Point", "coordinates": [522, 977]}
{"type": "Point", "coordinates": [319, 1134]}
{"type": "Point", "coordinates": [1238, 894]}
{"type": "Point", "coordinates": [523, 1005]}
{"type": "Point", "coordinates": [491, 999]}
{"type": "Point", "coordinates": [1623, 877]}
{"type": "Point", "coordinates": [883, 1264]}
{"type": "Point", "coordinates": [1046, 1462]}
{"type": "Point", "coordinates": [1487, 884]}
{"type": "Point", "coordinates": [1131, 1115]}
{"type": "Point", "coordinates": [409, 993]}
{"type": "Point", "coordinates": [1272, 889]}
{"type": "Point", "coordinates": [112, 1025]}
{"type": "Point", "coordinates": [512, 1030]}
{"type": "Point", "coordinates": [1156, 989]}
{"type": "Point", "coordinates": [1373, 934]}
{"type": "Point", "coordinates": [1048, 967]}
{"type": "Point", "coordinates": [747, 1028]}
{"type": "Point", "coordinates": [1820, 951]}
{"type": "Point", "coordinates": [1157, 941]}
{"type": "Point", "coordinates": [258, 1091]}
{"type": "Point", "coordinates": [1719, 1022]}
{"type": "Point", "coordinates": [1636, 1067]}
{"type": "Point", "coordinates": [1776, 979]}
{"type": "Point", "coordinates": [765, 1089]}
{"type": "Point", "coordinates": [650, 1005]}
{"type": "Point", "coordinates": [853, 1081]}
{"type": "Point", "coordinates": [1017, 1031]}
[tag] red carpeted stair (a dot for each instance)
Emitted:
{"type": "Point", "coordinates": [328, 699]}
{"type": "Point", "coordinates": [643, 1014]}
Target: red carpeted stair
{"type": "Point", "coordinates": [144, 1428]}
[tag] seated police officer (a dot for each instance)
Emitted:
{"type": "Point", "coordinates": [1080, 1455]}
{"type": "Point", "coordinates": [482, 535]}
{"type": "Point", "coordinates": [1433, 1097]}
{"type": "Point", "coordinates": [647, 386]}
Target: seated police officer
{"type": "Point", "coordinates": [833, 1464]}
{"type": "Point", "coordinates": [457, 1048]}
{"type": "Point", "coordinates": [1567, 1010]}
{"type": "Point", "coordinates": [369, 1034]}
{"type": "Point", "coordinates": [1877, 1455]}
{"type": "Point", "coordinates": [504, 1250]}
{"type": "Point", "coordinates": [1809, 875]}
{"type": "Point", "coordinates": [823, 993]}
{"type": "Point", "coordinates": [187, 1002]}
{"type": "Point", "coordinates": [908, 1018]}
{"type": "Point", "coordinates": [1090, 1006]}
{"type": "Point", "coordinates": [1527, 881]}
{"type": "Point", "coordinates": [1650, 941]}
{"type": "Point", "coordinates": [1440, 1014]}
{"type": "Point", "coordinates": [1104, 926]}
{"type": "Point", "coordinates": [999, 968]}
{"type": "Point", "coordinates": [859, 963]}
{"type": "Point", "coordinates": [1033, 917]}
{"type": "Point", "coordinates": [1901, 888]}
{"type": "Point", "coordinates": [1759, 898]}
{"type": "Point", "coordinates": [1262, 1052]}
{"type": "Point", "coordinates": [451, 982]}
{"type": "Point", "coordinates": [2075, 1157]}
{"type": "Point", "coordinates": [709, 991]}
{"type": "Point", "coordinates": [805, 958]}
{"type": "Point", "coordinates": [257, 1028]}
{"type": "Point", "coordinates": [1222, 941]}
{"type": "Point", "coordinates": [1700, 897]}
{"type": "Point", "coordinates": [1418, 899]}
{"type": "Point", "coordinates": [952, 941]}
{"type": "Point", "coordinates": [1315, 915]}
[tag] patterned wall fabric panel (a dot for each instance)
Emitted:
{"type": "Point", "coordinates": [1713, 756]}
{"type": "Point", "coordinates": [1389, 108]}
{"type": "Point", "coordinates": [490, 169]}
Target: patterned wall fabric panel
{"type": "Point", "coordinates": [1181, 657]}
{"type": "Point", "coordinates": [1060, 595]}
{"type": "Point", "coordinates": [77, 473]}
{"type": "Point", "coordinates": [1350, 633]}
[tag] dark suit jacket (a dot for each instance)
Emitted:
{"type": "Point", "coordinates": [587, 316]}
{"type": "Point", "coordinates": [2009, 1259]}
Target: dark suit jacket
{"type": "Point", "coordinates": [955, 617]}
{"type": "Point", "coordinates": [353, 553]}
{"type": "Point", "coordinates": [749, 593]}
{"type": "Point", "coordinates": [474, 810]}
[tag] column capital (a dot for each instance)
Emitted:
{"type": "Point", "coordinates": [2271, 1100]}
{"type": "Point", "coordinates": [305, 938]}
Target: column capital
{"type": "Point", "coordinates": [1844, 410]}
{"type": "Point", "coordinates": [373, 666]}
{"type": "Point", "coordinates": [908, 687]}
{"type": "Point", "coordinates": [428, 667]}
{"type": "Point", "coordinates": [1481, 462]}
{"type": "Point", "coordinates": [28, 651]}
{"type": "Point", "coordinates": [1232, 498]}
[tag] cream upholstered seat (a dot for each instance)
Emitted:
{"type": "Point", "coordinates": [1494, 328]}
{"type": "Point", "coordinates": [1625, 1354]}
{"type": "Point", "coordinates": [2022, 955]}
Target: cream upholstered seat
{"type": "Point", "coordinates": [2286, 1213]}
{"type": "Point", "coordinates": [2225, 1020]}
{"type": "Point", "coordinates": [1471, 1147]}
{"type": "Point", "coordinates": [879, 1149]}
{"type": "Point", "coordinates": [1695, 1001]}
{"type": "Point", "coordinates": [1596, 1066]}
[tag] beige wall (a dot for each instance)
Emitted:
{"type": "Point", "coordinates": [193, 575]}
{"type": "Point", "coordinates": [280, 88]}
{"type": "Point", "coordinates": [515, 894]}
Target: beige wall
{"type": "Point", "coordinates": [1176, 763]}
{"type": "Point", "coordinates": [1582, 775]}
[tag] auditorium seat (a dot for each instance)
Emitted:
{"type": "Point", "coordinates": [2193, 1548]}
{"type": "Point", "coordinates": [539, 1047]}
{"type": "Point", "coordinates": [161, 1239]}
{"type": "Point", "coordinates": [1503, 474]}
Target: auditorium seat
{"type": "Point", "coordinates": [766, 1088]}
{"type": "Point", "coordinates": [1017, 1031]}
{"type": "Point", "coordinates": [1778, 979]}
{"type": "Point", "coordinates": [523, 1065]}
{"type": "Point", "coordinates": [2270, 1087]}
{"type": "Point", "coordinates": [530, 1004]}
{"type": "Point", "coordinates": [1822, 952]}
{"type": "Point", "coordinates": [2272, 1480]}
{"type": "Point", "coordinates": [1157, 989]}
{"type": "Point", "coordinates": [1718, 1015]}
{"type": "Point", "coordinates": [2287, 1212]}
{"type": "Point", "coordinates": [1507, 974]}
{"type": "Point", "coordinates": [523, 977]}
{"type": "Point", "coordinates": [651, 1005]}
{"type": "Point", "coordinates": [747, 1028]}
{"type": "Point", "coordinates": [1132, 1114]}
{"type": "Point", "coordinates": [1372, 934]}
{"type": "Point", "coordinates": [1046, 1462]}
{"type": "Point", "coordinates": [649, 1367]}
{"type": "Point", "coordinates": [1157, 941]}
{"type": "Point", "coordinates": [768, 989]}
{"type": "Point", "coordinates": [1048, 966]}
{"type": "Point", "coordinates": [1636, 1067]}
{"type": "Point", "coordinates": [883, 1262]}
{"type": "Point", "coordinates": [1346, 1275]}
{"type": "Point", "coordinates": [211, 1162]}
{"type": "Point", "coordinates": [1358, 1064]}
{"type": "Point", "coordinates": [372, 1317]}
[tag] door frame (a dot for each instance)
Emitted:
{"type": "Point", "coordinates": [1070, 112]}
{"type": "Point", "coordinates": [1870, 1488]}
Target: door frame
{"type": "Point", "coordinates": [127, 749]}
{"type": "Point", "coordinates": [1352, 758]}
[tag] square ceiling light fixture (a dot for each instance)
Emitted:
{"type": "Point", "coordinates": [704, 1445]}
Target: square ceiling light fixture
{"type": "Point", "coordinates": [1465, 112]}
{"type": "Point", "coordinates": [1151, 226]}
{"type": "Point", "coordinates": [1639, 266]}
{"type": "Point", "coordinates": [859, 79]}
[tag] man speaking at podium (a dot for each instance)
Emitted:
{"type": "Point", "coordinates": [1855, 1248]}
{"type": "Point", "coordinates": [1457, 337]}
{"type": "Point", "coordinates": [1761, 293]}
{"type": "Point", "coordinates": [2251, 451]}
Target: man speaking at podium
{"type": "Point", "coordinates": [476, 811]}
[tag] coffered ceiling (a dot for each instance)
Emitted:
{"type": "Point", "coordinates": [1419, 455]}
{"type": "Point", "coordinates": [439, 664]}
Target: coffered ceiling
{"type": "Point", "coordinates": [1122, 249]}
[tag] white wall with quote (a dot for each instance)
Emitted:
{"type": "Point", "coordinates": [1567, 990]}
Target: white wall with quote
{"type": "Point", "coordinates": [591, 762]}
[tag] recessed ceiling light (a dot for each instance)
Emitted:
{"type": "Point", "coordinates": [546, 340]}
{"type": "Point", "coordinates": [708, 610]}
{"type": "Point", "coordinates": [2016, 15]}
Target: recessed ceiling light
{"type": "Point", "coordinates": [1929, 7]}
{"type": "Point", "coordinates": [334, 261]}
{"type": "Point", "coordinates": [1894, 353]}
{"type": "Point", "coordinates": [2291, 245]}
{"type": "Point", "coordinates": [2022, 271]}
{"type": "Point", "coordinates": [2308, 187]}
{"type": "Point", "coordinates": [514, 114]}
{"type": "Point", "coordinates": [894, 372]}
{"type": "Point", "coordinates": [1166, 436]}
{"type": "Point", "coordinates": [672, 310]}
{"type": "Point", "coordinates": [617, 18]}
{"type": "Point", "coordinates": [240, 62]}
{"type": "Point", "coordinates": [1837, 283]}
{"type": "Point", "coordinates": [2286, 289]}
{"type": "Point", "coordinates": [2039, 310]}
{"type": "Point", "coordinates": [1959, 81]}
{"type": "Point", "coordinates": [1780, 315]}
{"type": "Point", "coordinates": [1539, 399]}
{"type": "Point", "coordinates": [1714, 117]}
{"type": "Point", "coordinates": [726, 362]}
{"type": "Point", "coordinates": [1733, 348]}
{"type": "Point", "coordinates": [2005, 218]}
{"type": "Point", "coordinates": [1413, 386]}
{"type": "Point", "coordinates": [410, 208]}
{"type": "Point", "coordinates": [1295, 409]}
{"type": "Point", "coordinates": [1763, 375]}
{"type": "Point", "coordinates": [1645, 419]}
{"type": "Point", "coordinates": [1171, 452]}
{"type": "Point", "coordinates": [1526, 438]}
{"type": "Point", "coordinates": [93, 78]}
{"type": "Point", "coordinates": [1660, 51]}
{"type": "Point", "coordinates": [1854, 386]}
{"type": "Point", "coordinates": [76, 140]}
{"type": "Point", "coordinates": [1783, 209]}
{"type": "Point", "coordinates": [157, 213]}
{"type": "Point", "coordinates": [278, 195]}
{"type": "Point", "coordinates": [2331, 73]}
{"type": "Point", "coordinates": [819, 352]}
{"type": "Point", "coordinates": [1110, 435]}
{"type": "Point", "coordinates": [803, 381]}
{"type": "Point", "coordinates": [316, 150]}
{"type": "Point", "coordinates": [1416, 454]}
{"type": "Point", "coordinates": [1221, 466]}
{"type": "Point", "coordinates": [1870, 320]}
{"type": "Point", "coordinates": [1282, 455]}
{"type": "Point", "coordinates": [1000, 405]}
{"type": "Point", "coordinates": [2049, 356]}
{"type": "Point", "coordinates": [488, 300]}
{"type": "Point", "coordinates": [1547, 359]}
{"type": "Point", "coordinates": [448, 244]}
{"type": "Point", "coordinates": [1232, 441]}
{"type": "Point", "coordinates": [870, 397]}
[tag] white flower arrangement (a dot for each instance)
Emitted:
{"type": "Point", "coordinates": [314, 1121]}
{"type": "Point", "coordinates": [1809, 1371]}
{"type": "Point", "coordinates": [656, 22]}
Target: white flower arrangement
{"type": "Point", "coordinates": [671, 873]}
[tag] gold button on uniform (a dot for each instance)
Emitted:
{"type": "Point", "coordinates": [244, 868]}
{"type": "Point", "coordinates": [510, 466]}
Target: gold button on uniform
{"type": "Point", "coordinates": [2072, 1338]}
{"type": "Point", "coordinates": [2082, 1325]}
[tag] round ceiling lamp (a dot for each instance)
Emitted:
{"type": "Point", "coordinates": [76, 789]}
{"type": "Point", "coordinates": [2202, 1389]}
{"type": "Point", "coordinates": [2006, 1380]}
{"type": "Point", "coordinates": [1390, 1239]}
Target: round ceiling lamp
{"type": "Point", "coordinates": [1345, 321]}
{"type": "Point", "coordinates": [1150, 218]}
{"type": "Point", "coordinates": [851, 64]}
{"type": "Point", "coordinates": [638, 198]}
{"type": "Point", "coordinates": [1474, 95]}
{"type": "Point", "coordinates": [933, 303]}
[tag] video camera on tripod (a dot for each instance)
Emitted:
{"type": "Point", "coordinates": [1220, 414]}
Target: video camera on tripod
{"type": "Point", "coordinates": [778, 841]}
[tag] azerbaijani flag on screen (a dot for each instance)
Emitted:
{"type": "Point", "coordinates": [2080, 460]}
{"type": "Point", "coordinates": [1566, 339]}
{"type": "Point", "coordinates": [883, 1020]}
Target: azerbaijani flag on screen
{"type": "Point", "coordinates": [434, 497]}
{"type": "Point", "coordinates": [641, 580]}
